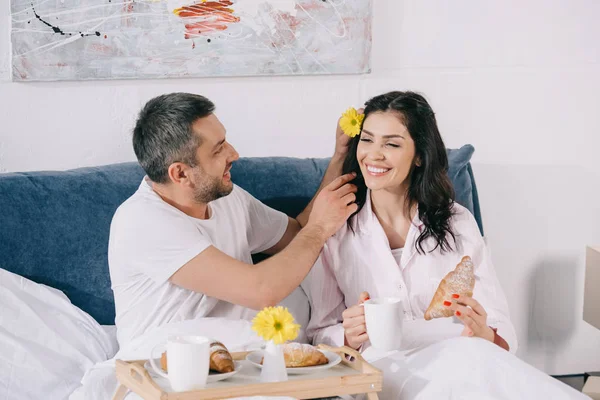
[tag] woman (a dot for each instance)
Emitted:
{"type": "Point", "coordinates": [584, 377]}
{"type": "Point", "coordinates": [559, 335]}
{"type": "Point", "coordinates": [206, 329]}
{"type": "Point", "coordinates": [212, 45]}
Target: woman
{"type": "Point", "coordinates": [407, 234]}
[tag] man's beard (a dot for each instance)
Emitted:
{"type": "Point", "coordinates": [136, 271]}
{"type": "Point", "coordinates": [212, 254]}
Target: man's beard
{"type": "Point", "coordinates": [210, 189]}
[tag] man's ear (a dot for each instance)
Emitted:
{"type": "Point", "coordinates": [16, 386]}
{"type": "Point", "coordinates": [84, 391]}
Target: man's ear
{"type": "Point", "coordinates": [179, 173]}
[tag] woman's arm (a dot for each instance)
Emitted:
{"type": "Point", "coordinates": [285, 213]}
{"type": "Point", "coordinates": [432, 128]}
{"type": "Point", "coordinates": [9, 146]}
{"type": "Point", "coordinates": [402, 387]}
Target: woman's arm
{"type": "Point", "coordinates": [326, 304]}
{"type": "Point", "coordinates": [488, 292]}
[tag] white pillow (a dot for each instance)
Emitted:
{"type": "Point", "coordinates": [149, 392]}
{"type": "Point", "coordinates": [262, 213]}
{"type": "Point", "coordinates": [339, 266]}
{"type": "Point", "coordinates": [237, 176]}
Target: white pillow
{"type": "Point", "coordinates": [46, 343]}
{"type": "Point", "coordinates": [111, 331]}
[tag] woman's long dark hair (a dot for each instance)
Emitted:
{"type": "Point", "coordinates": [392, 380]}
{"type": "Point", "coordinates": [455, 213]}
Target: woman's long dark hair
{"type": "Point", "coordinates": [430, 188]}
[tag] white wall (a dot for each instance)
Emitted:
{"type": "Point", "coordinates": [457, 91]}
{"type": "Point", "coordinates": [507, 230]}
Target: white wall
{"type": "Point", "coordinates": [518, 80]}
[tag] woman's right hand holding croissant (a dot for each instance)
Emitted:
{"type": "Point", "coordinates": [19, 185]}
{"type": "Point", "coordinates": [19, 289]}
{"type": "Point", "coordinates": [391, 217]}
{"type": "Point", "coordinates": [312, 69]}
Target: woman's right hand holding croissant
{"type": "Point", "coordinates": [355, 329]}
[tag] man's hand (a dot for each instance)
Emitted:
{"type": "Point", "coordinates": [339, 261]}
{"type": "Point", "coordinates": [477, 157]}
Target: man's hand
{"type": "Point", "coordinates": [342, 141]}
{"type": "Point", "coordinates": [355, 328]}
{"type": "Point", "coordinates": [333, 205]}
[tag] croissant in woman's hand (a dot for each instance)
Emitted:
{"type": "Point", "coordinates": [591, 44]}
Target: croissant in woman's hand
{"type": "Point", "coordinates": [459, 281]}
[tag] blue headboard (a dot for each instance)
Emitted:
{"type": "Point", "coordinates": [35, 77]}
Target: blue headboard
{"type": "Point", "coordinates": [54, 226]}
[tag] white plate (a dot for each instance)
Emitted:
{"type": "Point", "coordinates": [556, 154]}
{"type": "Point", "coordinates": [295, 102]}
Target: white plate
{"type": "Point", "coordinates": [334, 359]}
{"type": "Point", "coordinates": [213, 376]}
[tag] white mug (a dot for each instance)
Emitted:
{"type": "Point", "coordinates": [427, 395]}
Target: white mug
{"type": "Point", "coordinates": [384, 317]}
{"type": "Point", "coordinates": [188, 359]}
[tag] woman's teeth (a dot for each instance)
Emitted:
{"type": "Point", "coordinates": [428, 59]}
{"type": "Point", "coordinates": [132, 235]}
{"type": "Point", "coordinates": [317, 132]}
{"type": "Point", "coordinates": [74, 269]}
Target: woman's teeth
{"type": "Point", "coordinates": [376, 170]}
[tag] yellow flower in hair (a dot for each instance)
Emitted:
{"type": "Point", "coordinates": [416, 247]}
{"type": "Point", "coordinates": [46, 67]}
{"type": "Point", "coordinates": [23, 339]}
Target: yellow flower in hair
{"type": "Point", "coordinates": [351, 121]}
{"type": "Point", "coordinates": [276, 324]}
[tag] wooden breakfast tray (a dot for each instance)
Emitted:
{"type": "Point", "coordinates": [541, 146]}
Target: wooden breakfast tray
{"type": "Point", "coordinates": [348, 377]}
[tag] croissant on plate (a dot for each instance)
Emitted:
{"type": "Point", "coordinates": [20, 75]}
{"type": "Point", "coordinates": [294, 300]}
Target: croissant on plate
{"type": "Point", "coordinates": [302, 355]}
{"type": "Point", "coordinates": [220, 358]}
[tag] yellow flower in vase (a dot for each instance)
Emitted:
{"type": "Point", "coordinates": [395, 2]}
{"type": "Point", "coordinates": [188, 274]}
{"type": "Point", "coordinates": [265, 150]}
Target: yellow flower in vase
{"type": "Point", "coordinates": [351, 121]}
{"type": "Point", "coordinates": [275, 324]}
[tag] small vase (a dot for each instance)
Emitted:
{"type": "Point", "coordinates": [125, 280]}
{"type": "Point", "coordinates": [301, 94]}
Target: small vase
{"type": "Point", "coordinates": [273, 369]}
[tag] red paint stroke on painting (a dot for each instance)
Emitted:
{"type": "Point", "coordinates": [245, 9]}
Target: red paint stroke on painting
{"type": "Point", "coordinates": [286, 35]}
{"type": "Point", "coordinates": [127, 9]}
{"type": "Point", "coordinates": [100, 48]}
{"type": "Point", "coordinates": [209, 16]}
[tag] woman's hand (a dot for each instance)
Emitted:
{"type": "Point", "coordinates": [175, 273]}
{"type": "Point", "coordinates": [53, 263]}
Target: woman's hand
{"type": "Point", "coordinates": [472, 315]}
{"type": "Point", "coordinates": [342, 141]}
{"type": "Point", "coordinates": [355, 329]}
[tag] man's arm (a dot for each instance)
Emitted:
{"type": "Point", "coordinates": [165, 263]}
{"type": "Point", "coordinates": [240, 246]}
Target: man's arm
{"type": "Point", "coordinates": [216, 274]}
{"type": "Point", "coordinates": [334, 169]}
{"type": "Point", "coordinates": [293, 227]}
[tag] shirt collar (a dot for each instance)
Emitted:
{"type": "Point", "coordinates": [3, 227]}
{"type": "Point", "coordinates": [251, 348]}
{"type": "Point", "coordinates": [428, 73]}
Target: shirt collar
{"type": "Point", "coordinates": [366, 218]}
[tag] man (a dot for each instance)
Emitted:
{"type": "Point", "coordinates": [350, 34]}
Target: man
{"type": "Point", "coordinates": [180, 247]}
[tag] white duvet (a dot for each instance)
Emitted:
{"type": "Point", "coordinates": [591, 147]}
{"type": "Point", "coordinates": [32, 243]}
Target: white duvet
{"type": "Point", "coordinates": [433, 364]}
{"type": "Point", "coordinates": [100, 383]}
{"type": "Point", "coordinates": [465, 368]}
{"type": "Point", "coordinates": [47, 345]}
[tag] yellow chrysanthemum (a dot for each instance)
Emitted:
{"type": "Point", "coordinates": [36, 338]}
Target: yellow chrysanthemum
{"type": "Point", "coordinates": [351, 122]}
{"type": "Point", "coordinates": [276, 324]}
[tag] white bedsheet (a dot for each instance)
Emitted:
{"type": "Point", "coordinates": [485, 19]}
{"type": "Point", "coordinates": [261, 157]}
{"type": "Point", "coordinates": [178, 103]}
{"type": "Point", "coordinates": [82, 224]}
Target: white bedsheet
{"type": "Point", "coordinates": [433, 363]}
{"type": "Point", "coordinates": [46, 343]}
{"type": "Point", "coordinates": [464, 368]}
{"type": "Point", "coordinates": [111, 333]}
{"type": "Point", "coordinates": [436, 363]}
{"type": "Point", "coordinates": [100, 383]}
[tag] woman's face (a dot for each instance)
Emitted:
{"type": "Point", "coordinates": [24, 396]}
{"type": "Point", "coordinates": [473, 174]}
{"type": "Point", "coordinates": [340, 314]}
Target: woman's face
{"type": "Point", "coordinates": [386, 152]}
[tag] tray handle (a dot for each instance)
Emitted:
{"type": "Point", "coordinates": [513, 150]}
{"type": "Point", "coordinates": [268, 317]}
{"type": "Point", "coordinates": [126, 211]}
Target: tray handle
{"type": "Point", "coordinates": [135, 377]}
{"type": "Point", "coordinates": [351, 358]}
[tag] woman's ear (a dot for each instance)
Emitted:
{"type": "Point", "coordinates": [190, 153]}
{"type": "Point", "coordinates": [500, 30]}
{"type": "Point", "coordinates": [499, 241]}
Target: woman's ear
{"type": "Point", "coordinates": [418, 161]}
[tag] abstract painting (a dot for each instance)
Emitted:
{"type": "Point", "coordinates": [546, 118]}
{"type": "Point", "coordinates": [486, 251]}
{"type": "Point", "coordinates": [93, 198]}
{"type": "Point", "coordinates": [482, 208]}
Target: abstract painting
{"type": "Point", "coordinates": [142, 39]}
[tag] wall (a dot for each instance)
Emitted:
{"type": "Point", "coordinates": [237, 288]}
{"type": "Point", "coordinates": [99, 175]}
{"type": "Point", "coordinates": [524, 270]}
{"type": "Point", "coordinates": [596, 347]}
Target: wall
{"type": "Point", "coordinates": [520, 81]}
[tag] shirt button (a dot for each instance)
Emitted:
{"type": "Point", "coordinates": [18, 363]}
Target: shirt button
{"type": "Point", "coordinates": [400, 287]}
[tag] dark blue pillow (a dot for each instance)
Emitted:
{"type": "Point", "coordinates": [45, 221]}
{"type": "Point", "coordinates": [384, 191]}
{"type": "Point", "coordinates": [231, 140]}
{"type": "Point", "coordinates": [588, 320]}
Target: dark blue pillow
{"type": "Point", "coordinates": [461, 175]}
{"type": "Point", "coordinates": [288, 184]}
{"type": "Point", "coordinates": [54, 226]}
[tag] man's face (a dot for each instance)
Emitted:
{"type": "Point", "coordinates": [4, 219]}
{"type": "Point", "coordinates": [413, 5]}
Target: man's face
{"type": "Point", "coordinates": [214, 156]}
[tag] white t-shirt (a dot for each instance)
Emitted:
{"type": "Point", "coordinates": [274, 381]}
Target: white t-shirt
{"type": "Point", "coordinates": [150, 240]}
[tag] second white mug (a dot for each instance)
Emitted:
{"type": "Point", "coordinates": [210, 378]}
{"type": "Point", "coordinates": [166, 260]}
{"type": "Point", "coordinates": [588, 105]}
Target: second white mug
{"type": "Point", "coordinates": [383, 318]}
{"type": "Point", "coordinates": [188, 360]}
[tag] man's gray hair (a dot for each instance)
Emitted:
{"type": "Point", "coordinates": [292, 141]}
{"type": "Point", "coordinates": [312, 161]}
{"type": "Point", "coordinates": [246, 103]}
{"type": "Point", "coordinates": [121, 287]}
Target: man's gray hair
{"type": "Point", "coordinates": [163, 132]}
